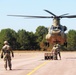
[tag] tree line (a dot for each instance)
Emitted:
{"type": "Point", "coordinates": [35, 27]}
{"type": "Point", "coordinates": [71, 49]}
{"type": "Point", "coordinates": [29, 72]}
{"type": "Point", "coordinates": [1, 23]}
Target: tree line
{"type": "Point", "coordinates": [25, 40]}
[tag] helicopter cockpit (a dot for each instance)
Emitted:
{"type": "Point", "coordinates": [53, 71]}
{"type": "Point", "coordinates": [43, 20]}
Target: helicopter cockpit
{"type": "Point", "coordinates": [55, 29]}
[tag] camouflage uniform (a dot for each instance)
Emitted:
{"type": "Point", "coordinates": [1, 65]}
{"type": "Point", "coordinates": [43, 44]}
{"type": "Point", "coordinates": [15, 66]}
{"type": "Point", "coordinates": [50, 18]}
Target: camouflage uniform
{"type": "Point", "coordinates": [5, 52]}
{"type": "Point", "coordinates": [58, 50]}
{"type": "Point", "coordinates": [54, 52]}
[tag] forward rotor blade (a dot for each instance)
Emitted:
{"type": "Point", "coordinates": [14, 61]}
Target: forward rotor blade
{"type": "Point", "coordinates": [70, 16]}
{"type": "Point", "coordinates": [50, 12]}
{"type": "Point", "coordinates": [31, 16]}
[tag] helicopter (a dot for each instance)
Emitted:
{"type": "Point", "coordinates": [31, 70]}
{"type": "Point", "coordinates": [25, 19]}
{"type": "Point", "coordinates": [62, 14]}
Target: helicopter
{"type": "Point", "coordinates": [56, 33]}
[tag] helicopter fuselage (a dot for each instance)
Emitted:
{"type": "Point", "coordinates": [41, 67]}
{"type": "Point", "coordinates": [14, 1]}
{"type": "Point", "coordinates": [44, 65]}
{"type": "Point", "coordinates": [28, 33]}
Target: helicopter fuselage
{"type": "Point", "coordinates": [56, 34]}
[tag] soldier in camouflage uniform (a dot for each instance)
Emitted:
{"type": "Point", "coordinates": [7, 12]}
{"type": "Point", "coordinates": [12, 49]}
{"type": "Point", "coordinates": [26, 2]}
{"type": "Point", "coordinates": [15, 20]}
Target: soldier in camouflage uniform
{"type": "Point", "coordinates": [56, 51]}
{"type": "Point", "coordinates": [5, 52]}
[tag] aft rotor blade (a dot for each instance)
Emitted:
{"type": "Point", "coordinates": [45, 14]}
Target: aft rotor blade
{"type": "Point", "coordinates": [50, 12]}
{"type": "Point", "coordinates": [31, 16]}
{"type": "Point", "coordinates": [64, 14]}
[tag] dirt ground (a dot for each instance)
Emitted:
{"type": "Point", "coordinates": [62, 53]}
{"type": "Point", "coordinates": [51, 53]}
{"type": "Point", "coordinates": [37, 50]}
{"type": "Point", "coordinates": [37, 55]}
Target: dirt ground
{"type": "Point", "coordinates": [33, 63]}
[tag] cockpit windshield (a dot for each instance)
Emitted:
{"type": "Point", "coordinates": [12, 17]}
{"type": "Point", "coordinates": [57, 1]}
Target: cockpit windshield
{"type": "Point", "coordinates": [57, 28]}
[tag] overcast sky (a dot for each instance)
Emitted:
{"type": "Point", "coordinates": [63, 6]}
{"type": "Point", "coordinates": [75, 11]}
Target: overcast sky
{"type": "Point", "coordinates": [35, 7]}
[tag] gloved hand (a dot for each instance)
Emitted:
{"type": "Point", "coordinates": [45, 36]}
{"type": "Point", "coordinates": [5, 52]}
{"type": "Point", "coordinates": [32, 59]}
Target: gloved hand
{"type": "Point", "coordinates": [12, 55]}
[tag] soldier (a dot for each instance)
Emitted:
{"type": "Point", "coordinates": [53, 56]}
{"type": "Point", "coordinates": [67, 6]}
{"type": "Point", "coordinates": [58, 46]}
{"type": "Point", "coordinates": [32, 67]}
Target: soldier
{"type": "Point", "coordinates": [54, 52]}
{"type": "Point", "coordinates": [58, 50]}
{"type": "Point", "coordinates": [5, 52]}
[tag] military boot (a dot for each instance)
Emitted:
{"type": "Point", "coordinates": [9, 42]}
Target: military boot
{"type": "Point", "coordinates": [5, 66]}
{"type": "Point", "coordinates": [10, 68]}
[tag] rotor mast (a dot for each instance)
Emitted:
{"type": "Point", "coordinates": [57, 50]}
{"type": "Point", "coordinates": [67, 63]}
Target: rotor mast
{"type": "Point", "coordinates": [56, 21]}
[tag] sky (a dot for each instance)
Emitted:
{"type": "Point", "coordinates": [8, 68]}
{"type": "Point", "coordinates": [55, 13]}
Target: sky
{"type": "Point", "coordinates": [35, 7]}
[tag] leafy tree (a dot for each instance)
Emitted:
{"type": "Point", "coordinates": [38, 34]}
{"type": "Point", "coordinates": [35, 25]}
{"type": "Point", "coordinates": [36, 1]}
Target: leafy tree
{"type": "Point", "coordinates": [71, 38]}
{"type": "Point", "coordinates": [32, 41]}
{"type": "Point", "coordinates": [41, 32]}
{"type": "Point", "coordinates": [22, 39]}
{"type": "Point", "coordinates": [9, 35]}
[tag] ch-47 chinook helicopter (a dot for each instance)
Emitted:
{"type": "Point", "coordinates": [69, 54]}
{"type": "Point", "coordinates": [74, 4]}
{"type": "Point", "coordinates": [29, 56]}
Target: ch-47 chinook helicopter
{"type": "Point", "coordinates": [56, 33]}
